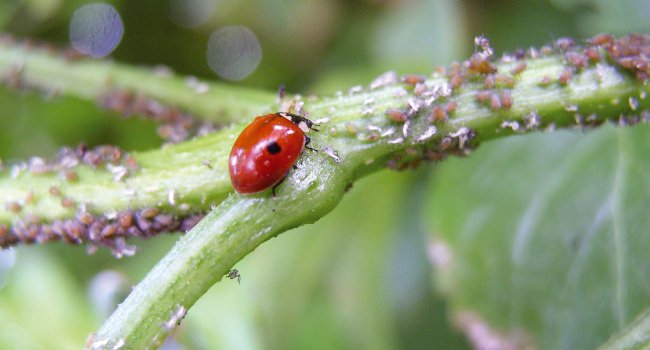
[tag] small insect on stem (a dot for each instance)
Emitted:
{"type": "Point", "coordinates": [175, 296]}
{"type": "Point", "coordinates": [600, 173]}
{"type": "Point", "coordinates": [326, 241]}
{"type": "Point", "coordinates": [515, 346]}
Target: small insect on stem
{"type": "Point", "coordinates": [234, 273]}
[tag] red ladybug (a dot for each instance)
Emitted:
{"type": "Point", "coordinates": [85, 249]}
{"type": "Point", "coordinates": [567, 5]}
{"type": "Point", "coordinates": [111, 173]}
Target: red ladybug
{"type": "Point", "coordinates": [266, 150]}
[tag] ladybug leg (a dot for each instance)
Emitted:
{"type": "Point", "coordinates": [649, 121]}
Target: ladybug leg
{"type": "Point", "coordinates": [277, 184]}
{"type": "Point", "coordinates": [307, 141]}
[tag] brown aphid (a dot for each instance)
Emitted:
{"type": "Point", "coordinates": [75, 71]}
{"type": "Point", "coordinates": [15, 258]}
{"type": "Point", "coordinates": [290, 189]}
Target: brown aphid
{"type": "Point", "coordinates": [489, 81]}
{"type": "Point", "coordinates": [125, 219]}
{"type": "Point", "coordinates": [445, 143]}
{"type": "Point", "coordinates": [519, 68]}
{"type": "Point", "coordinates": [506, 99]}
{"type": "Point", "coordinates": [164, 220]}
{"type": "Point", "coordinates": [503, 80]}
{"type": "Point", "coordinates": [30, 232]}
{"type": "Point", "coordinates": [451, 106]}
{"type": "Point", "coordinates": [396, 114]}
{"type": "Point", "coordinates": [3, 230]}
{"type": "Point", "coordinates": [601, 40]}
{"type": "Point", "coordinates": [477, 63]}
{"type": "Point", "coordinates": [627, 62]}
{"type": "Point", "coordinates": [565, 76]}
{"type": "Point", "coordinates": [483, 96]}
{"type": "Point", "coordinates": [131, 162]}
{"type": "Point", "coordinates": [110, 154]}
{"type": "Point", "coordinates": [55, 191]}
{"type": "Point", "coordinates": [576, 59]}
{"type": "Point", "coordinates": [593, 54]}
{"type": "Point", "coordinates": [546, 50]}
{"type": "Point", "coordinates": [74, 231]}
{"type": "Point", "coordinates": [85, 218]}
{"type": "Point", "coordinates": [109, 230]}
{"type": "Point", "coordinates": [456, 81]}
{"type": "Point", "coordinates": [67, 202]}
{"type": "Point", "coordinates": [420, 89]}
{"type": "Point", "coordinates": [412, 79]}
{"type": "Point", "coordinates": [564, 43]}
{"type": "Point", "coordinates": [119, 101]}
{"type": "Point", "coordinates": [149, 213]}
{"type": "Point", "coordinates": [13, 206]}
{"type": "Point", "coordinates": [70, 175]}
{"type": "Point", "coordinates": [92, 158]}
{"type": "Point", "coordinates": [495, 102]}
{"type": "Point", "coordinates": [438, 114]}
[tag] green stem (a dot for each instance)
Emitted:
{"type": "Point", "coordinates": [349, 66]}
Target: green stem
{"type": "Point", "coordinates": [356, 126]}
{"type": "Point", "coordinates": [635, 336]}
{"type": "Point", "coordinates": [240, 223]}
{"type": "Point", "coordinates": [93, 80]}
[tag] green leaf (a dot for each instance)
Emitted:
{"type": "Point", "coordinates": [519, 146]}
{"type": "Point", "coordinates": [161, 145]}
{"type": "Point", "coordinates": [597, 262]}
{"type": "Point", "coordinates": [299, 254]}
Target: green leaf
{"type": "Point", "coordinates": [41, 307]}
{"type": "Point", "coordinates": [546, 236]}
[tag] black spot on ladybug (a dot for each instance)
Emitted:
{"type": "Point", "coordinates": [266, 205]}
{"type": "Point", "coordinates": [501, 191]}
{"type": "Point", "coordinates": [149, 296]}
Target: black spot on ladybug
{"type": "Point", "coordinates": [273, 148]}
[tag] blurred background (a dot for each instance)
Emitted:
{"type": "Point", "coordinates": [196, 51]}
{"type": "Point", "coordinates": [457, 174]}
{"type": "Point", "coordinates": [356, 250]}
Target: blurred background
{"type": "Point", "coordinates": [350, 281]}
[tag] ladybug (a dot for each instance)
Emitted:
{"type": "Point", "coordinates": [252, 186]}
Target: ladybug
{"type": "Point", "coordinates": [266, 150]}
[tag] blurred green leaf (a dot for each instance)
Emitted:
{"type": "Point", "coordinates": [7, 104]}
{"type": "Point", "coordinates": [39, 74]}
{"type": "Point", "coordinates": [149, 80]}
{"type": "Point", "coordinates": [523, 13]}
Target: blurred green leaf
{"type": "Point", "coordinates": [547, 234]}
{"type": "Point", "coordinates": [40, 306]}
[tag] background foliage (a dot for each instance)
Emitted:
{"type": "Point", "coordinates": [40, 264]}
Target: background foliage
{"type": "Point", "coordinates": [363, 277]}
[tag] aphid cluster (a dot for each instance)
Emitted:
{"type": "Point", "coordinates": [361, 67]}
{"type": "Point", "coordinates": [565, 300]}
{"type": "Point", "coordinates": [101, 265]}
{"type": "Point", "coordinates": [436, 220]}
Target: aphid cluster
{"type": "Point", "coordinates": [175, 126]}
{"type": "Point", "coordinates": [97, 230]}
{"type": "Point", "coordinates": [631, 52]}
{"type": "Point", "coordinates": [119, 163]}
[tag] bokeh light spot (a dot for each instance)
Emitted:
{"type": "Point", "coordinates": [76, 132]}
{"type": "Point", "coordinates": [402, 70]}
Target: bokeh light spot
{"type": "Point", "coordinates": [96, 29]}
{"type": "Point", "coordinates": [191, 13]}
{"type": "Point", "coordinates": [234, 52]}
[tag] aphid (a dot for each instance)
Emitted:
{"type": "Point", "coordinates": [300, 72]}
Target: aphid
{"type": "Point", "coordinates": [55, 191]}
{"type": "Point", "coordinates": [85, 218]}
{"type": "Point", "coordinates": [564, 43]}
{"type": "Point", "coordinates": [149, 213]}
{"type": "Point", "coordinates": [451, 107]}
{"type": "Point", "coordinates": [577, 59]}
{"type": "Point", "coordinates": [565, 76]}
{"type": "Point", "coordinates": [495, 102]}
{"type": "Point", "coordinates": [234, 273]}
{"type": "Point", "coordinates": [67, 202]}
{"type": "Point", "coordinates": [593, 54]}
{"type": "Point", "coordinates": [412, 79]}
{"type": "Point", "coordinates": [456, 81]}
{"type": "Point", "coordinates": [13, 207]}
{"type": "Point", "coordinates": [506, 99]}
{"type": "Point", "coordinates": [438, 114]}
{"type": "Point", "coordinates": [483, 96]}
{"type": "Point", "coordinates": [601, 39]}
{"type": "Point", "coordinates": [70, 175]}
{"type": "Point", "coordinates": [478, 63]}
{"type": "Point", "coordinates": [266, 150]}
{"type": "Point", "coordinates": [125, 219]}
{"type": "Point", "coordinates": [520, 67]}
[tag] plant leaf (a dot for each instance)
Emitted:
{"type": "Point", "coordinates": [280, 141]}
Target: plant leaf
{"type": "Point", "coordinates": [546, 235]}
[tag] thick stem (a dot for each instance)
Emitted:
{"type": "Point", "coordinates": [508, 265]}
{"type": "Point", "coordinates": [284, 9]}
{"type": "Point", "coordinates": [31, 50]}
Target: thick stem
{"type": "Point", "coordinates": [390, 123]}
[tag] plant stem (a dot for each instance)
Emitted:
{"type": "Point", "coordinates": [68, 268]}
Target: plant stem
{"type": "Point", "coordinates": [92, 80]}
{"type": "Point", "coordinates": [635, 336]}
{"type": "Point", "coordinates": [240, 223]}
{"type": "Point", "coordinates": [357, 125]}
